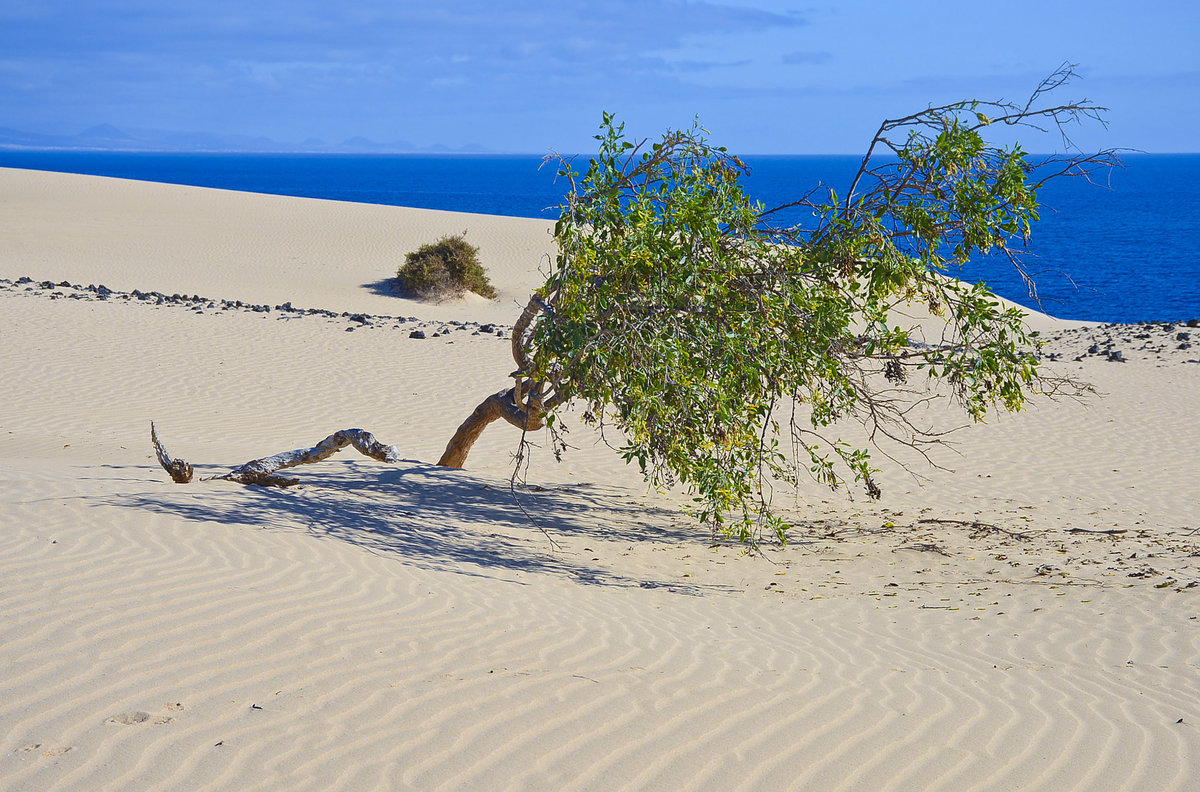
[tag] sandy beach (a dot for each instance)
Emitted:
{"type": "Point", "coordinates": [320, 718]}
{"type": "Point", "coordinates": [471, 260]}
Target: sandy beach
{"type": "Point", "coordinates": [1025, 617]}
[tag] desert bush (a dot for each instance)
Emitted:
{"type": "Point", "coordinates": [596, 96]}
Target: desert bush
{"type": "Point", "coordinates": [444, 268]}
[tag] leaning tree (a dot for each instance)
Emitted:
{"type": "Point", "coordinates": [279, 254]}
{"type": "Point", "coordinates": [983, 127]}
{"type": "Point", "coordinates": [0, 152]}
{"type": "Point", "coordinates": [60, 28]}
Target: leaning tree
{"type": "Point", "coordinates": [720, 343]}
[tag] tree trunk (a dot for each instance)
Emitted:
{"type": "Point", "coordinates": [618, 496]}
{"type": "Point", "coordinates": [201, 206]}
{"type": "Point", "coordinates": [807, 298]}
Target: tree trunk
{"type": "Point", "coordinates": [498, 405]}
{"type": "Point", "coordinates": [524, 406]}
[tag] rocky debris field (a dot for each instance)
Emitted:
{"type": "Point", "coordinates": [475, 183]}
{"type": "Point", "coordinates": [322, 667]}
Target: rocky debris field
{"type": "Point", "coordinates": [1164, 343]}
{"type": "Point", "coordinates": [417, 328]}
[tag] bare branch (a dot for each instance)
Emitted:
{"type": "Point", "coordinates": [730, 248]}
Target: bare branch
{"type": "Point", "coordinates": [261, 472]}
{"type": "Point", "coordinates": [179, 471]}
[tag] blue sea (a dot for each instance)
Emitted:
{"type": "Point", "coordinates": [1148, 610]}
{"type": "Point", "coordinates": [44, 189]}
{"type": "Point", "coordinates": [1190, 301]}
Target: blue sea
{"type": "Point", "coordinates": [1126, 251]}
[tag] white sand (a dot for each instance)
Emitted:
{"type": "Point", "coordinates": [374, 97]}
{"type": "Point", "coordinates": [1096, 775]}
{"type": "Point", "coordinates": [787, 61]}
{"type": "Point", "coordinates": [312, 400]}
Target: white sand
{"type": "Point", "coordinates": [406, 627]}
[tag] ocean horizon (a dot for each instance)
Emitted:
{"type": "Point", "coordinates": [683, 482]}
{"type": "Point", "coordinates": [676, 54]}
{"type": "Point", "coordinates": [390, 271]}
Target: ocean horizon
{"type": "Point", "coordinates": [1124, 251]}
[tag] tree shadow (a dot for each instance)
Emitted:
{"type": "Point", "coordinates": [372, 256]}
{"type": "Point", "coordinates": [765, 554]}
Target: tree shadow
{"type": "Point", "coordinates": [443, 519]}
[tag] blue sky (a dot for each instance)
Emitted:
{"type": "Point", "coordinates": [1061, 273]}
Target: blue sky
{"type": "Point", "coordinates": [765, 76]}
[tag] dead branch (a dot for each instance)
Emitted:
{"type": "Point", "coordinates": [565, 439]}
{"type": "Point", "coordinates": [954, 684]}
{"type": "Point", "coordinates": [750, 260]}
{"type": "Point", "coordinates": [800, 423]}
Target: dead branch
{"type": "Point", "coordinates": [261, 472]}
{"type": "Point", "coordinates": [980, 527]}
{"type": "Point", "coordinates": [927, 547]}
{"type": "Point", "coordinates": [179, 471]}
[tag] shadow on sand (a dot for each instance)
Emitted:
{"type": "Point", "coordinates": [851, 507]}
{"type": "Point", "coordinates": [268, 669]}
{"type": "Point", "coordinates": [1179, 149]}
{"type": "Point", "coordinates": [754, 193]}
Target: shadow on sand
{"type": "Point", "coordinates": [438, 518]}
{"type": "Point", "coordinates": [388, 287]}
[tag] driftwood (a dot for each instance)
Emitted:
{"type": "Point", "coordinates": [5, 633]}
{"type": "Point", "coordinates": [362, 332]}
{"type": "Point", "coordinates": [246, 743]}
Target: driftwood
{"type": "Point", "coordinates": [261, 472]}
{"type": "Point", "coordinates": [179, 471]}
{"type": "Point", "coordinates": [524, 405]}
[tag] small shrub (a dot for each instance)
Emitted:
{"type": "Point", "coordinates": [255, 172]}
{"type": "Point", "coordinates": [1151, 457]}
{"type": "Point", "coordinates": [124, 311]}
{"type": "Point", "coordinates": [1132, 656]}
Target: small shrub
{"type": "Point", "coordinates": [447, 267]}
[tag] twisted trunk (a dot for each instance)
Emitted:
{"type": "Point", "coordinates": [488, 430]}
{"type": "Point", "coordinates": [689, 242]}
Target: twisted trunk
{"type": "Point", "coordinates": [498, 405]}
{"type": "Point", "coordinates": [524, 405]}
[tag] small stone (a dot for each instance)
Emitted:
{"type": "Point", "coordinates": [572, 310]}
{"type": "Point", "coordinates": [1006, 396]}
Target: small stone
{"type": "Point", "coordinates": [1183, 336]}
{"type": "Point", "coordinates": [417, 334]}
{"type": "Point", "coordinates": [1193, 322]}
{"type": "Point", "coordinates": [1116, 356]}
{"type": "Point", "coordinates": [487, 328]}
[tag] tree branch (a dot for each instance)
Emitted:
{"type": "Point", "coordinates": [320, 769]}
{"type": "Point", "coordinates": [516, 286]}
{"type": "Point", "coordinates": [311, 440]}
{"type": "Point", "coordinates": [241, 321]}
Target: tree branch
{"type": "Point", "coordinates": [261, 471]}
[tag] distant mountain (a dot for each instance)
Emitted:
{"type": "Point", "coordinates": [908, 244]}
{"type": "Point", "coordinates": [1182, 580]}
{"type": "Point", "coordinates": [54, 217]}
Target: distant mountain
{"type": "Point", "coordinates": [106, 137]}
{"type": "Point", "coordinates": [362, 144]}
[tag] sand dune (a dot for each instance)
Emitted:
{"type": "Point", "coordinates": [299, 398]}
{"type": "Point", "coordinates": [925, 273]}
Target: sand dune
{"type": "Point", "coordinates": [1026, 620]}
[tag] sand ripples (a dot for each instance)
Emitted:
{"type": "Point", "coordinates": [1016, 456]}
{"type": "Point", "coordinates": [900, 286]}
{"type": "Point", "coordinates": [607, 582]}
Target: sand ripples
{"type": "Point", "coordinates": [202, 654]}
{"type": "Point", "coordinates": [406, 627]}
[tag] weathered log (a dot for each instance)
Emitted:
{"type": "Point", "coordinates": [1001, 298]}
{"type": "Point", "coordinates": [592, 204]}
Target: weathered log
{"type": "Point", "coordinates": [261, 472]}
{"type": "Point", "coordinates": [179, 471]}
{"type": "Point", "coordinates": [524, 405]}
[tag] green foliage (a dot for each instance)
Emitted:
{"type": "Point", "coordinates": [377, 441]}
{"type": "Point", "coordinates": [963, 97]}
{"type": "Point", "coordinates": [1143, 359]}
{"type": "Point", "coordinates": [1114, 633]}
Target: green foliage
{"type": "Point", "coordinates": [721, 347]}
{"type": "Point", "coordinates": [446, 267]}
